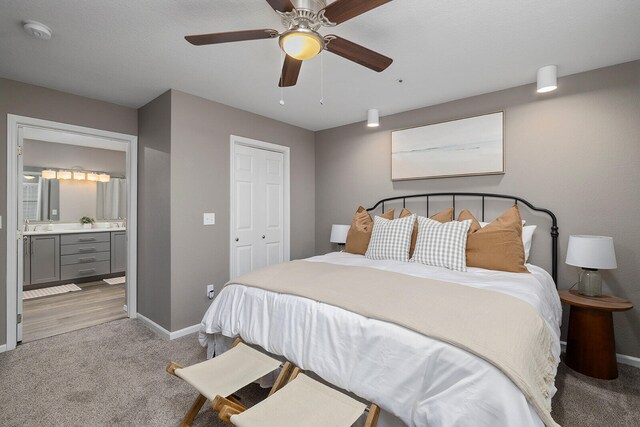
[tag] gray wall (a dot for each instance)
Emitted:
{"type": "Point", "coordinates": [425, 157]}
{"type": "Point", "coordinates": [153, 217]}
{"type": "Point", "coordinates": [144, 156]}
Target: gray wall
{"type": "Point", "coordinates": [60, 156]}
{"type": "Point", "coordinates": [575, 151]}
{"type": "Point", "coordinates": [200, 132]}
{"type": "Point", "coordinates": [34, 101]}
{"type": "Point", "coordinates": [154, 210]}
{"type": "Point", "coordinates": [184, 172]}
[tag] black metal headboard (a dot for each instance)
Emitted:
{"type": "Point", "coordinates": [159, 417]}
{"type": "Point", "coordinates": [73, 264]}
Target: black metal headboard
{"type": "Point", "coordinates": [483, 196]}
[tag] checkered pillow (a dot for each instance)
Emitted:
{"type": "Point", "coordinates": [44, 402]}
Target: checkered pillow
{"type": "Point", "coordinates": [391, 239]}
{"type": "Point", "coordinates": [442, 245]}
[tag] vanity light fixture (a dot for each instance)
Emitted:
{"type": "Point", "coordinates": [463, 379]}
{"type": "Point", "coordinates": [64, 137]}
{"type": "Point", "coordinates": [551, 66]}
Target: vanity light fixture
{"type": "Point", "coordinates": [373, 118]}
{"type": "Point", "coordinates": [103, 177]}
{"type": "Point", "coordinates": [547, 78]}
{"type": "Point", "coordinates": [64, 174]}
{"type": "Point", "coordinates": [49, 174]}
{"type": "Point", "coordinates": [79, 176]}
{"type": "Point", "coordinates": [92, 176]}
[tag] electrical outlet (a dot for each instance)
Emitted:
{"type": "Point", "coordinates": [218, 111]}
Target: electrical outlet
{"type": "Point", "coordinates": [210, 292]}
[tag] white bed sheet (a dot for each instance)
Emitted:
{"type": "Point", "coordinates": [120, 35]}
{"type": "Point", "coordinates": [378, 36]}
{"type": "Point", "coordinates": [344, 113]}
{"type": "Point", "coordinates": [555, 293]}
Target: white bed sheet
{"type": "Point", "coordinates": [422, 381]}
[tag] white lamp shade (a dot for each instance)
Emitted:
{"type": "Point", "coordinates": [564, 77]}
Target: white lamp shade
{"type": "Point", "coordinates": [339, 233]}
{"type": "Point", "coordinates": [80, 176]}
{"type": "Point", "coordinates": [92, 176]}
{"type": "Point", "coordinates": [103, 177]}
{"type": "Point", "coordinates": [595, 252]}
{"type": "Point", "coordinates": [547, 78]}
{"type": "Point", "coordinates": [373, 118]}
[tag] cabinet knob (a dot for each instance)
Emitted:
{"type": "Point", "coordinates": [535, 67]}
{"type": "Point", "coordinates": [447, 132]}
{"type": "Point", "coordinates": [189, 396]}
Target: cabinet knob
{"type": "Point", "coordinates": [263, 236]}
{"type": "Point", "coordinates": [237, 239]}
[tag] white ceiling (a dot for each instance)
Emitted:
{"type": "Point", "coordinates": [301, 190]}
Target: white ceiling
{"type": "Point", "coordinates": [128, 52]}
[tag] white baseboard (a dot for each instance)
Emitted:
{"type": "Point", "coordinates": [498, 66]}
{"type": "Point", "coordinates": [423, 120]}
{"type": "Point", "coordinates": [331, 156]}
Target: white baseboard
{"type": "Point", "coordinates": [3, 348]}
{"type": "Point", "coordinates": [155, 327]}
{"type": "Point", "coordinates": [621, 358]}
{"type": "Point", "coordinates": [183, 332]}
{"type": "Point", "coordinates": [166, 334]}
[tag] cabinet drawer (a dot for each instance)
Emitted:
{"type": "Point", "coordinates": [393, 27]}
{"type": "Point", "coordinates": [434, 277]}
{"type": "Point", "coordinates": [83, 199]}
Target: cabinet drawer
{"type": "Point", "coordinates": [85, 248]}
{"type": "Point", "coordinates": [85, 258]}
{"type": "Point", "coordinates": [71, 239]}
{"type": "Point", "coordinates": [84, 270]}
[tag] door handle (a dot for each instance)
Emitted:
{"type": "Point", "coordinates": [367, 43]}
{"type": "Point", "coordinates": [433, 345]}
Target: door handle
{"type": "Point", "coordinates": [87, 259]}
{"type": "Point", "coordinates": [87, 271]}
{"type": "Point", "coordinates": [86, 249]}
{"type": "Point", "coordinates": [87, 239]}
{"type": "Point", "coordinates": [237, 239]}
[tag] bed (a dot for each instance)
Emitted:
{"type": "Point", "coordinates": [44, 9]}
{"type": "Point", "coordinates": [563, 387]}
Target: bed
{"type": "Point", "coordinates": [415, 379]}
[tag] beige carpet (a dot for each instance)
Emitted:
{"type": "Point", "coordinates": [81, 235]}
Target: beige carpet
{"type": "Point", "coordinates": [113, 374]}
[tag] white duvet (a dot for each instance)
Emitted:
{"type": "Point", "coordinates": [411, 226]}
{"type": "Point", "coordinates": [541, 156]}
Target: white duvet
{"type": "Point", "coordinates": [421, 381]}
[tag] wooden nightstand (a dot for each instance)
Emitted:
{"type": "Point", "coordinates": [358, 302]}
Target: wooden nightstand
{"type": "Point", "coordinates": [591, 347]}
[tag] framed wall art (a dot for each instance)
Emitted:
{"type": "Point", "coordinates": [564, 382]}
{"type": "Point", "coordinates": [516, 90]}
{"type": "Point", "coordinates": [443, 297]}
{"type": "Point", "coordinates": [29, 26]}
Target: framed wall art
{"type": "Point", "coordinates": [463, 147]}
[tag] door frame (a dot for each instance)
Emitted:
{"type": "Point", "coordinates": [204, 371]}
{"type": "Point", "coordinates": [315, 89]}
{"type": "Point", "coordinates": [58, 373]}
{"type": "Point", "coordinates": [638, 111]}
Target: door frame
{"type": "Point", "coordinates": [268, 146]}
{"type": "Point", "coordinates": [90, 137]}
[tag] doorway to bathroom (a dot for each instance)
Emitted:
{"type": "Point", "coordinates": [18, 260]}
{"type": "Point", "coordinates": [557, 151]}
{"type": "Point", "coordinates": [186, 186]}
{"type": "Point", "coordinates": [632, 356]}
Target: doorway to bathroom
{"type": "Point", "coordinates": [73, 260]}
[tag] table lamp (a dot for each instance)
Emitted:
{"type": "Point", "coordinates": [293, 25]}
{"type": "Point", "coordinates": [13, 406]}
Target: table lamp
{"type": "Point", "coordinates": [591, 253]}
{"type": "Point", "coordinates": [339, 235]}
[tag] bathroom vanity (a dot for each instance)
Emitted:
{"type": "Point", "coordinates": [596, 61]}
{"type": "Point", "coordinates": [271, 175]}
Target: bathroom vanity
{"type": "Point", "coordinates": [66, 255]}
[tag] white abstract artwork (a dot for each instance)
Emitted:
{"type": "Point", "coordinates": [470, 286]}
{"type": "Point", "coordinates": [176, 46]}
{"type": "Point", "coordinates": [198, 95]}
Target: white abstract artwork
{"type": "Point", "coordinates": [472, 146]}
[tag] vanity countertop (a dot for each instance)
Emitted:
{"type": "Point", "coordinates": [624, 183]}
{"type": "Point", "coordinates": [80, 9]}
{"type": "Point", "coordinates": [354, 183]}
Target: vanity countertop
{"type": "Point", "coordinates": [73, 231]}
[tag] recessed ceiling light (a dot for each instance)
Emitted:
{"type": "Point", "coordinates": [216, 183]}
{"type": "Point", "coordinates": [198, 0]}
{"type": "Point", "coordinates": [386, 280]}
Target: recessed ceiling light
{"type": "Point", "coordinates": [37, 30]}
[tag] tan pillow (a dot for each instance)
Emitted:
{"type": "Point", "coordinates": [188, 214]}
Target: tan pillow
{"type": "Point", "coordinates": [444, 216]}
{"type": "Point", "coordinates": [498, 245]}
{"type": "Point", "coordinates": [360, 232]}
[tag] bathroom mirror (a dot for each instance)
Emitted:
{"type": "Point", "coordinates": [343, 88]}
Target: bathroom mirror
{"type": "Point", "coordinates": [67, 200]}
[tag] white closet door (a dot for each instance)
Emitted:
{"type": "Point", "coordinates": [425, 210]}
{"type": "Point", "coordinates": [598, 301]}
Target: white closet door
{"type": "Point", "coordinates": [258, 238]}
{"type": "Point", "coordinates": [249, 201]}
{"type": "Point", "coordinates": [274, 208]}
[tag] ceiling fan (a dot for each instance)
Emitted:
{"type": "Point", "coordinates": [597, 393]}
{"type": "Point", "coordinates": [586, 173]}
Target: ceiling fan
{"type": "Point", "coordinates": [301, 40]}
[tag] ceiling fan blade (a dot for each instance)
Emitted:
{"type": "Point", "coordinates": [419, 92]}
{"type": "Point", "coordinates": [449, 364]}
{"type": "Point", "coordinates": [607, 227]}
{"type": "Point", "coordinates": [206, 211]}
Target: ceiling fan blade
{"type": "Point", "coordinates": [343, 10]}
{"type": "Point", "coordinates": [231, 36]}
{"type": "Point", "coordinates": [281, 5]}
{"type": "Point", "coordinates": [356, 53]}
{"type": "Point", "coordinates": [290, 71]}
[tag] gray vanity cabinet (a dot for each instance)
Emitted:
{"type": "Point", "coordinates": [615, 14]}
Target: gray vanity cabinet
{"type": "Point", "coordinates": [44, 259]}
{"type": "Point", "coordinates": [118, 251]}
{"type": "Point", "coordinates": [26, 259]}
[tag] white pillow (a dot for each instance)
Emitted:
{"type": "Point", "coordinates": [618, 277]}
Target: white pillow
{"type": "Point", "coordinates": [527, 237]}
{"type": "Point", "coordinates": [391, 238]}
{"type": "Point", "coordinates": [442, 244]}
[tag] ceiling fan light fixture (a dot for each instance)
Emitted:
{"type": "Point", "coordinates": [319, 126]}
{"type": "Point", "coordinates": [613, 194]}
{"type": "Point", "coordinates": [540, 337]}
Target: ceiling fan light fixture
{"type": "Point", "coordinates": [301, 44]}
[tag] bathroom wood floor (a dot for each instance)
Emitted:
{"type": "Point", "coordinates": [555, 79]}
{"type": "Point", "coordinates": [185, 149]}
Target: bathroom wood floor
{"type": "Point", "coordinates": [96, 303]}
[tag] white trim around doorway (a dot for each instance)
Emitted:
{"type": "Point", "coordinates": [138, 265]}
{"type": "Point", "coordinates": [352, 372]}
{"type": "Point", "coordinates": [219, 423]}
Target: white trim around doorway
{"type": "Point", "coordinates": [254, 143]}
{"type": "Point", "coordinates": [112, 140]}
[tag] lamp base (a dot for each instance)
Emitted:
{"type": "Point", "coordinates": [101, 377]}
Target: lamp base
{"type": "Point", "coordinates": [590, 283]}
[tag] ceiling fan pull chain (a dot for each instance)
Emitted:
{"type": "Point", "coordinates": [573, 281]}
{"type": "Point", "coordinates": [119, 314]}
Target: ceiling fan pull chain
{"type": "Point", "coordinates": [321, 78]}
{"type": "Point", "coordinates": [281, 77]}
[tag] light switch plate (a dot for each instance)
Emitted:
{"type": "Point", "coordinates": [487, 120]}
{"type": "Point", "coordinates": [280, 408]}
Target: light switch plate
{"type": "Point", "coordinates": [209, 218]}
